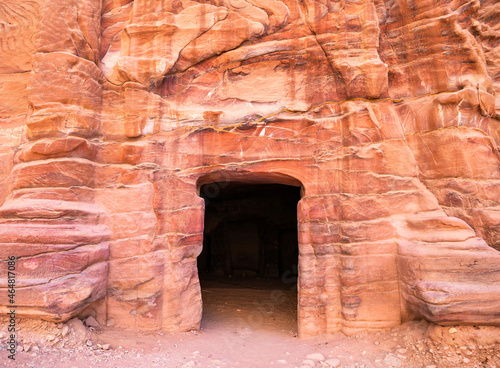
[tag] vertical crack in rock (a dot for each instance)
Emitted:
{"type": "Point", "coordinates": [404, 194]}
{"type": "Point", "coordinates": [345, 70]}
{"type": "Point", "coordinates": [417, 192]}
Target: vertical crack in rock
{"type": "Point", "coordinates": [304, 7]}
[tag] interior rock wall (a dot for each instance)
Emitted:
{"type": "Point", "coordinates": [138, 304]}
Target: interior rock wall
{"type": "Point", "coordinates": [114, 113]}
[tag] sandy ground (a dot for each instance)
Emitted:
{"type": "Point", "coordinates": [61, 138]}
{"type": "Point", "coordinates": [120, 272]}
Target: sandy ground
{"type": "Point", "coordinates": [245, 327]}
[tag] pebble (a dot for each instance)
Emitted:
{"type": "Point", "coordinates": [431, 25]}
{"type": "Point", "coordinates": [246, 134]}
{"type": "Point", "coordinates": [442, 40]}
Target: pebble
{"type": "Point", "coordinates": [333, 362]}
{"type": "Point", "coordinates": [315, 356]}
{"type": "Point", "coordinates": [309, 362]}
{"type": "Point", "coordinates": [452, 330]}
{"type": "Point", "coordinates": [64, 330]}
{"type": "Point", "coordinates": [91, 322]}
{"type": "Point", "coordinates": [465, 360]}
{"type": "Point", "coordinates": [105, 347]}
{"type": "Point", "coordinates": [189, 364]}
{"type": "Point", "coordinates": [392, 361]}
{"type": "Point", "coordinates": [376, 343]}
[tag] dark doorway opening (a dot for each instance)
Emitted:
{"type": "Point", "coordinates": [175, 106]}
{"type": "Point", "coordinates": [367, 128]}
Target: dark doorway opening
{"type": "Point", "coordinates": [250, 254]}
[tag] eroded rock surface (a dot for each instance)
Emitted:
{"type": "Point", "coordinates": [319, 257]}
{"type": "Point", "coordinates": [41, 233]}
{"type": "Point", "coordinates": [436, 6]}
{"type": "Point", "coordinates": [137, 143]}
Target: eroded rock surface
{"type": "Point", "coordinates": [114, 112]}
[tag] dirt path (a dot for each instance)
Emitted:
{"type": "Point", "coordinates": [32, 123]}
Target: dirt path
{"type": "Point", "coordinates": [245, 327]}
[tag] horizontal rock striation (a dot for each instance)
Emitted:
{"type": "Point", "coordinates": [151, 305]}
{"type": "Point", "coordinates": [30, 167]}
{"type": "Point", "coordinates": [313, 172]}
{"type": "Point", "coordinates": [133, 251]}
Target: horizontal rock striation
{"type": "Point", "coordinates": [50, 222]}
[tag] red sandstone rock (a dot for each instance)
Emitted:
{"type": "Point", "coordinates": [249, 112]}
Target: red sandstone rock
{"type": "Point", "coordinates": [114, 113]}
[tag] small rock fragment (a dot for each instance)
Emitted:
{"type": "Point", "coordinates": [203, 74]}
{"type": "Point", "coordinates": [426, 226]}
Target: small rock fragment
{"type": "Point", "coordinates": [91, 322]}
{"type": "Point", "coordinates": [315, 356]}
{"type": "Point", "coordinates": [392, 361]}
{"type": "Point", "coordinates": [333, 362]}
{"type": "Point", "coordinates": [64, 331]}
{"type": "Point", "coordinates": [309, 362]}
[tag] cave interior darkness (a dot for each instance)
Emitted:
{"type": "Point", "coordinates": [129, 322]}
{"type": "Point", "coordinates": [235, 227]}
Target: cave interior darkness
{"type": "Point", "coordinates": [250, 232]}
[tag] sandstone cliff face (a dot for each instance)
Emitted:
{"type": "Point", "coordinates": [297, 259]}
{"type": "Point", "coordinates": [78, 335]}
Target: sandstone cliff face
{"type": "Point", "coordinates": [50, 221]}
{"type": "Point", "coordinates": [114, 113]}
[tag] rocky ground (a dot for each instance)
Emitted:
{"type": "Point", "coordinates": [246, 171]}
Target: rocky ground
{"type": "Point", "coordinates": [246, 328]}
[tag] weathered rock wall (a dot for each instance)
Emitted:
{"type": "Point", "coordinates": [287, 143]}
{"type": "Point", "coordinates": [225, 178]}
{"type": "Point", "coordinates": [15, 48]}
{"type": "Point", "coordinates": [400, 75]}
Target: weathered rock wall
{"type": "Point", "coordinates": [384, 112]}
{"type": "Point", "coordinates": [50, 221]}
